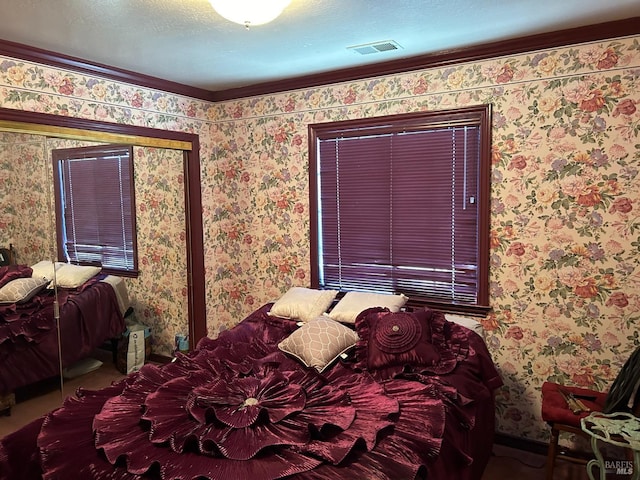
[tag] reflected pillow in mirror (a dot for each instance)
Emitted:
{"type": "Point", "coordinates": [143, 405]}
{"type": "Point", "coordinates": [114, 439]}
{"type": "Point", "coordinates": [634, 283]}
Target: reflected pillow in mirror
{"type": "Point", "coordinates": [44, 269]}
{"type": "Point", "coordinates": [74, 276]}
{"type": "Point", "coordinates": [21, 290]}
{"type": "Point", "coordinates": [319, 342]}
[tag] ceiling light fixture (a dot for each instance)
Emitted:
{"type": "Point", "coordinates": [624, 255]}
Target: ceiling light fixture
{"type": "Point", "coordinates": [249, 12]}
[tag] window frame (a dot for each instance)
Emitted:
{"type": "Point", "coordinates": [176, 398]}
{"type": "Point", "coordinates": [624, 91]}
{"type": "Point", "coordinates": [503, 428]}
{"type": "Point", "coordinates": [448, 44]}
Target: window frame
{"type": "Point", "coordinates": [96, 151]}
{"type": "Point", "coordinates": [476, 115]}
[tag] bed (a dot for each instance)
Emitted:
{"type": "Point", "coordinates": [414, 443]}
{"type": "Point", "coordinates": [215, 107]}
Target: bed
{"type": "Point", "coordinates": [289, 392]}
{"type": "Point", "coordinates": [91, 311]}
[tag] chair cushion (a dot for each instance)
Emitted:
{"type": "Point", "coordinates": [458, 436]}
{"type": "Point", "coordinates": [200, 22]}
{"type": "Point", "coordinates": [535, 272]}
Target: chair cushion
{"type": "Point", "coordinates": [556, 410]}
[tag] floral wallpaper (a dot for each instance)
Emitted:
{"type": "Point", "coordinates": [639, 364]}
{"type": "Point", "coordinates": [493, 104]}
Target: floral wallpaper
{"type": "Point", "coordinates": [160, 291]}
{"type": "Point", "coordinates": [565, 261]}
{"type": "Point", "coordinates": [23, 169]}
{"type": "Point", "coordinates": [158, 295]}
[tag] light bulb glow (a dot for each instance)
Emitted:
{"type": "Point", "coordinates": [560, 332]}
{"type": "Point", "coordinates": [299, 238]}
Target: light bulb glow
{"type": "Point", "coordinates": [250, 12]}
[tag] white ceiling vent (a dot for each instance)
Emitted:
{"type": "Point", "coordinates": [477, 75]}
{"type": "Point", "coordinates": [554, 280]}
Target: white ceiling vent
{"type": "Point", "coordinates": [375, 47]}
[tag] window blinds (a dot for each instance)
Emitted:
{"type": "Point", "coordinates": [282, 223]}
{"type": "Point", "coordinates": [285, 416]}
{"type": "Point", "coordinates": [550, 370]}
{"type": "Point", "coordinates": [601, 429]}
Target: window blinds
{"type": "Point", "coordinates": [97, 205]}
{"type": "Point", "coordinates": [399, 212]}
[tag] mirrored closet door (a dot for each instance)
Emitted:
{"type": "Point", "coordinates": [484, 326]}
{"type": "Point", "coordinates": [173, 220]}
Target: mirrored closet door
{"type": "Point", "coordinates": [163, 296]}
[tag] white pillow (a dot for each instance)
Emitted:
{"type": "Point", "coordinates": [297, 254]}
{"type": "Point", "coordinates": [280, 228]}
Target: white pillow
{"type": "Point", "coordinates": [468, 322]}
{"type": "Point", "coordinates": [73, 276]}
{"type": "Point", "coordinates": [44, 269]}
{"type": "Point", "coordinates": [319, 342]}
{"type": "Point", "coordinates": [304, 304]}
{"type": "Point", "coordinates": [350, 306]}
{"type": "Point", "coordinates": [21, 289]}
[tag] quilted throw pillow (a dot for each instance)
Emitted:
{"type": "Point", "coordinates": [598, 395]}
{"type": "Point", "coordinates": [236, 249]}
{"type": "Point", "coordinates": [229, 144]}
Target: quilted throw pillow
{"type": "Point", "coordinates": [21, 290]}
{"type": "Point", "coordinates": [319, 342]}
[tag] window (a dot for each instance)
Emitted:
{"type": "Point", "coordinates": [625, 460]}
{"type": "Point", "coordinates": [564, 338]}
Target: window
{"type": "Point", "coordinates": [95, 207]}
{"type": "Point", "coordinates": [400, 204]}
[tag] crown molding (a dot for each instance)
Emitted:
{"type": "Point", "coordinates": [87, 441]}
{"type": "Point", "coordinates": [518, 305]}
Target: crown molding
{"type": "Point", "coordinates": [53, 59]}
{"type": "Point", "coordinates": [590, 33]}
{"type": "Point", "coordinates": [619, 28]}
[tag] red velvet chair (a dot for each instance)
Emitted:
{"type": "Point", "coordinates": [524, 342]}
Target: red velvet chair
{"type": "Point", "coordinates": [624, 395]}
{"type": "Point", "coordinates": [557, 413]}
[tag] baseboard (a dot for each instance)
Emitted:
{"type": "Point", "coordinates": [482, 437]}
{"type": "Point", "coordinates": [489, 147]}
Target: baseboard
{"type": "Point", "coordinates": [156, 358]}
{"type": "Point", "coordinates": [520, 443]}
{"type": "Point", "coordinates": [540, 448]}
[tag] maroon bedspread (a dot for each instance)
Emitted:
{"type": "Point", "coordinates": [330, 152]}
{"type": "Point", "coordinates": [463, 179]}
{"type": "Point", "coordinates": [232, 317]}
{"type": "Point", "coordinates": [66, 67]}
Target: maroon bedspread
{"type": "Point", "coordinates": [238, 408]}
{"type": "Point", "coordinates": [29, 339]}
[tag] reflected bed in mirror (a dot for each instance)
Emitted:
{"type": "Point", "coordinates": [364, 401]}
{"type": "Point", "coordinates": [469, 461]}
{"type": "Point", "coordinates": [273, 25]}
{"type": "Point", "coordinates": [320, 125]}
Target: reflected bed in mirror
{"type": "Point", "coordinates": [87, 306]}
{"type": "Point", "coordinates": [177, 151]}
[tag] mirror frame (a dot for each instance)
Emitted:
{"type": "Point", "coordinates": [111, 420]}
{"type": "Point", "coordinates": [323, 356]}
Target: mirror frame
{"type": "Point", "coordinates": [78, 128]}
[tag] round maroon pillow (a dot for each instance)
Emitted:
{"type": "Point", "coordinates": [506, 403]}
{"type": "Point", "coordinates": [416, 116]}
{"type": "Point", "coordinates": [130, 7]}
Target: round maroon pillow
{"type": "Point", "coordinates": [398, 339]}
{"type": "Point", "coordinates": [396, 333]}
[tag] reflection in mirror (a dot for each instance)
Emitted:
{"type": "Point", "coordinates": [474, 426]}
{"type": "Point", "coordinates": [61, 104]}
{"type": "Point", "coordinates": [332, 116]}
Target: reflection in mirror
{"type": "Point", "coordinates": [26, 220]}
{"type": "Point", "coordinates": [54, 281]}
{"type": "Point", "coordinates": [156, 284]}
{"type": "Point", "coordinates": [106, 132]}
{"type": "Point", "coordinates": [168, 201]}
{"type": "Point", "coordinates": [25, 195]}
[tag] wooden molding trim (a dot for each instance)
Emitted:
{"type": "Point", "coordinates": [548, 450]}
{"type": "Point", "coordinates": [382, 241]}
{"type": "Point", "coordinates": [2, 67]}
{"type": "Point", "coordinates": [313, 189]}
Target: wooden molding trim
{"type": "Point", "coordinates": [590, 33]}
{"type": "Point", "coordinates": [161, 359]}
{"type": "Point", "coordinates": [523, 444]}
{"type": "Point", "coordinates": [58, 60]}
{"type": "Point", "coordinates": [560, 38]}
{"type": "Point", "coordinates": [538, 448]}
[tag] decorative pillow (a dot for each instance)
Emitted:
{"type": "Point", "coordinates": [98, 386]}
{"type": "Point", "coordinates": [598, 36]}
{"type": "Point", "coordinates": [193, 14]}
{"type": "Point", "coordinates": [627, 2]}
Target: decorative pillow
{"type": "Point", "coordinates": [319, 342]}
{"type": "Point", "coordinates": [21, 289]}
{"type": "Point", "coordinates": [73, 276]}
{"type": "Point", "coordinates": [353, 303]}
{"type": "Point", "coordinates": [394, 339]}
{"type": "Point", "coordinates": [44, 269]}
{"type": "Point", "coordinates": [304, 304]}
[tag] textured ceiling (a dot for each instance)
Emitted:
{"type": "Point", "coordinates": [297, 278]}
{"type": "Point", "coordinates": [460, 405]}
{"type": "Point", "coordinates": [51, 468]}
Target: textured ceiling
{"type": "Point", "coordinates": [185, 41]}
